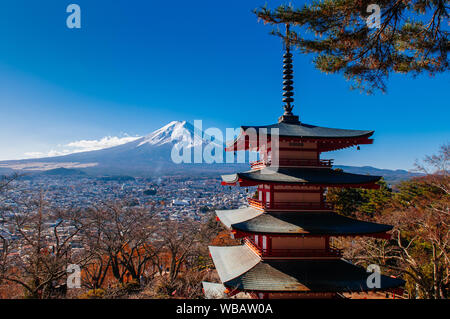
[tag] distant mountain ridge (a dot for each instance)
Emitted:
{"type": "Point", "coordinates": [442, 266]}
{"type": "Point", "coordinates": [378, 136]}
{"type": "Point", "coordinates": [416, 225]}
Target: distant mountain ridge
{"type": "Point", "coordinates": [151, 155]}
{"type": "Point", "coordinates": [63, 172]}
{"type": "Point", "coordinates": [391, 176]}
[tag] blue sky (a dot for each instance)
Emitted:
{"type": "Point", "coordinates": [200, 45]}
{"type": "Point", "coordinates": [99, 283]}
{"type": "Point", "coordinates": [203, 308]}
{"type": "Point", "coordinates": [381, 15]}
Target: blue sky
{"type": "Point", "coordinates": [134, 66]}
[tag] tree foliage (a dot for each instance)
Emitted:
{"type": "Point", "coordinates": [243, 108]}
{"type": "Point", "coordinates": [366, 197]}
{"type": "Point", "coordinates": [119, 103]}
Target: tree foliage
{"type": "Point", "coordinates": [420, 215]}
{"type": "Point", "coordinates": [412, 37]}
{"type": "Point", "coordinates": [350, 201]}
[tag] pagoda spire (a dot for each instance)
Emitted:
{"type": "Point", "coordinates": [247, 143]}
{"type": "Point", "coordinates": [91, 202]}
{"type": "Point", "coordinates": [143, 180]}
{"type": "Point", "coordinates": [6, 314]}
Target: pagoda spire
{"type": "Point", "coordinates": [288, 89]}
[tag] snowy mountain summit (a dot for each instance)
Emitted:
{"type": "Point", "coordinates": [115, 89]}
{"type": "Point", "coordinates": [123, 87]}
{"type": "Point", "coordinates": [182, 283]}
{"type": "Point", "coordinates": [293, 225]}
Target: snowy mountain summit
{"type": "Point", "coordinates": [174, 132]}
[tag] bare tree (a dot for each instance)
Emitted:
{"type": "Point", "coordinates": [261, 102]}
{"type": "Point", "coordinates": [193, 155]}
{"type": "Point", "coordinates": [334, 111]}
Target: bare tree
{"type": "Point", "coordinates": [39, 249]}
{"type": "Point", "coordinates": [437, 168]}
{"type": "Point", "coordinates": [6, 181]}
{"type": "Point", "coordinates": [95, 271]}
{"type": "Point", "coordinates": [419, 249]}
{"type": "Point", "coordinates": [180, 240]}
{"type": "Point", "coordinates": [122, 239]}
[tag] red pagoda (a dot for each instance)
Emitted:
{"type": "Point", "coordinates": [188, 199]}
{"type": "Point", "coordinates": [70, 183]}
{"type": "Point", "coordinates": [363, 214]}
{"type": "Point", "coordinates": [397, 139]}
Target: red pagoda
{"type": "Point", "coordinates": [286, 250]}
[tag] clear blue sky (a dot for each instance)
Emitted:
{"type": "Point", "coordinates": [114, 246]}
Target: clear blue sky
{"type": "Point", "coordinates": [137, 65]}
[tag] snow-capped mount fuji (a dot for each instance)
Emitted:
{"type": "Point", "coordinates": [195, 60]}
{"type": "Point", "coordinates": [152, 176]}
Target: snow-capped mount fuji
{"type": "Point", "coordinates": [147, 155]}
{"type": "Point", "coordinates": [173, 133]}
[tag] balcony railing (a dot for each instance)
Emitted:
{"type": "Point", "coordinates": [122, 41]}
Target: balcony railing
{"type": "Point", "coordinates": [289, 205]}
{"type": "Point", "coordinates": [282, 253]}
{"type": "Point", "coordinates": [294, 163]}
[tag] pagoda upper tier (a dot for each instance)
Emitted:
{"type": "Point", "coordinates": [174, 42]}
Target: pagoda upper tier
{"type": "Point", "coordinates": [327, 139]}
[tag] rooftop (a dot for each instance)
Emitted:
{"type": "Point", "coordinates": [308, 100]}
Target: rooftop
{"type": "Point", "coordinates": [308, 223]}
{"type": "Point", "coordinates": [304, 131]}
{"type": "Point", "coordinates": [300, 175]}
{"type": "Point", "coordinates": [313, 131]}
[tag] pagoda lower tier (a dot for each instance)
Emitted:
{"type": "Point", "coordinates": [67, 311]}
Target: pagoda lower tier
{"type": "Point", "coordinates": [290, 255]}
{"type": "Point", "coordinates": [242, 270]}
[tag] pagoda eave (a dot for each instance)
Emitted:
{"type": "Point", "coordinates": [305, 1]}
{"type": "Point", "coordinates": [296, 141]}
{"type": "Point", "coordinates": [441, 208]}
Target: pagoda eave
{"type": "Point", "coordinates": [324, 145]}
{"type": "Point", "coordinates": [249, 183]}
{"type": "Point", "coordinates": [327, 138]}
{"type": "Point", "coordinates": [240, 182]}
{"type": "Point", "coordinates": [237, 234]}
{"type": "Point", "coordinates": [249, 221]}
{"type": "Point", "coordinates": [333, 146]}
{"type": "Point", "coordinates": [303, 176]}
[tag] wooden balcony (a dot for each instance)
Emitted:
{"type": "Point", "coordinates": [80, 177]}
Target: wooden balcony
{"type": "Point", "coordinates": [292, 253]}
{"type": "Point", "coordinates": [294, 163]}
{"type": "Point", "coordinates": [289, 205]}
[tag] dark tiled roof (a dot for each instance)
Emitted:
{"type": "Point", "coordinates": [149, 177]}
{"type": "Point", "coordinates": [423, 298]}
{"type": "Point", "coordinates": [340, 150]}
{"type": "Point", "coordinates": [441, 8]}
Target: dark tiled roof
{"type": "Point", "coordinates": [233, 261]}
{"type": "Point", "coordinates": [307, 130]}
{"type": "Point", "coordinates": [300, 175]}
{"type": "Point", "coordinates": [308, 275]}
{"type": "Point", "coordinates": [233, 216]}
{"type": "Point", "coordinates": [323, 223]}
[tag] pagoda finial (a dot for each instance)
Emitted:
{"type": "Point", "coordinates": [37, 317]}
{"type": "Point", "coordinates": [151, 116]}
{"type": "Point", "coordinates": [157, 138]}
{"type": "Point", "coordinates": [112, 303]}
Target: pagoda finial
{"type": "Point", "coordinates": [288, 89]}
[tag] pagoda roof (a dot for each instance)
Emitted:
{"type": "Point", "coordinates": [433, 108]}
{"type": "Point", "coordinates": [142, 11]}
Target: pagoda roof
{"type": "Point", "coordinates": [213, 290]}
{"type": "Point", "coordinates": [233, 261]}
{"type": "Point", "coordinates": [230, 217]}
{"type": "Point", "coordinates": [300, 275]}
{"type": "Point", "coordinates": [299, 175]}
{"type": "Point", "coordinates": [251, 220]}
{"type": "Point", "coordinates": [302, 131]}
{"type": "Point", "coordinates": [307, 130]}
